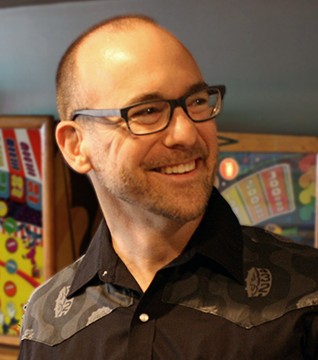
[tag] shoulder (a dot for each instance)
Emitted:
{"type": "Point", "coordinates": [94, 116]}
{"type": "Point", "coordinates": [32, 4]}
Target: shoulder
{"type": "Point", "coordinates": [61, 280]}
{"type": "Point", "coordinates": [285, 269]}
{"type": "Point", "coordinates": [48, 302]}
{"type": "Point", "coordinates": [260, 240]}
{"type": "Point", "coordinates": [54, 315]}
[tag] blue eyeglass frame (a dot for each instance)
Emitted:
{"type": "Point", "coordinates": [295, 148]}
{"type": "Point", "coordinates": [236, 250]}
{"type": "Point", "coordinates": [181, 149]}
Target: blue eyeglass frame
{"type": "Point", "coordinates": [174, 103]}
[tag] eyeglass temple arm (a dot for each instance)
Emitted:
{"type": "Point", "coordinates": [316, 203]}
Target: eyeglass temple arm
{"type": "Point", "coordinates": [222, 89]}
{"type": "Point", "coordinates": [97, 112]}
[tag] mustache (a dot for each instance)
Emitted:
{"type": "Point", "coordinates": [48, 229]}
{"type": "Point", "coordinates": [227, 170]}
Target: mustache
{"type": "Point", "coordinates": [176, 156]}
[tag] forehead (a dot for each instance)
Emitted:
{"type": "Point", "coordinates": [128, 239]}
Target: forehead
{"type": "Point", "coordinates": [143, 59]}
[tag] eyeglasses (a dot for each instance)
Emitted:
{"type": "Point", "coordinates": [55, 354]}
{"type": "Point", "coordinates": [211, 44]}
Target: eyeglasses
{"type": "Point", "coordinates": [152, 116]}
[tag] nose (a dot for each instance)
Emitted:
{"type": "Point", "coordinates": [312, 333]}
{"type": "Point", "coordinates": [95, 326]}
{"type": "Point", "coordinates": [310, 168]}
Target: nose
{"type": "Point", "coordinates": [181, 131]}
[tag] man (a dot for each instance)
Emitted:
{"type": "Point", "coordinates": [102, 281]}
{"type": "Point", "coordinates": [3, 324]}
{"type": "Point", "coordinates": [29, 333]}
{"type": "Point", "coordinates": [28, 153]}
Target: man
{"type": "Point", "coordinates": [170, 274]}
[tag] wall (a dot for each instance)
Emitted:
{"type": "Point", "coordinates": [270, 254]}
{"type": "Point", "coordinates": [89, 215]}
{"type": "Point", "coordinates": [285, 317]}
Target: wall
{"type": "Point", "coordinates": [265, 52]}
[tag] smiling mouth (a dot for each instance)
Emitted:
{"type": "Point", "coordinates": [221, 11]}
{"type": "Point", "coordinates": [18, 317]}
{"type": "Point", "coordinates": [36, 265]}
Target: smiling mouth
{"type": "Point", "coordinates": [178, 169]}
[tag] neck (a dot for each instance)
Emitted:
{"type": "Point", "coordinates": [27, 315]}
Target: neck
{"type": "Point", "coordinates": [147, 242]}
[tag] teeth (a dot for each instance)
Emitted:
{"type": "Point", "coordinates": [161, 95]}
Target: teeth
{"type": "Point", "coordinates": [178, 169]}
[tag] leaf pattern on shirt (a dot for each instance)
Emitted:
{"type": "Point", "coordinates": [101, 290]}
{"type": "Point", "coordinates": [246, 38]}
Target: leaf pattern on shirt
{"type": "Point", "coordinates": [28, 334]}
{"type": "Point", "coordinates": [210, 309]}
{"type": "Point", "coordinates": [258, 282]}
{"type": "Point", "coordinates": [62, 304]}
{"type": "Point", "coordinates": [98, 314]}
{"type": "Point", "coordinates": [308, 300]}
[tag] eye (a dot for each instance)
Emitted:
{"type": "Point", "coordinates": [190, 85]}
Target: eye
{"type": "Point", "coordinates": [198, 100]}
{"type": "Point", "coordinates": [149, 110]}
{"type": "Point", "coordinates": [147, 113]}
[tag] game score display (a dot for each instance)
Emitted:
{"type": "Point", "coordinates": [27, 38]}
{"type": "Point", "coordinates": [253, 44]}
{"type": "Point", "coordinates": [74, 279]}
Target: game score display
{"type": "Point", "coordinates": [277, 191]}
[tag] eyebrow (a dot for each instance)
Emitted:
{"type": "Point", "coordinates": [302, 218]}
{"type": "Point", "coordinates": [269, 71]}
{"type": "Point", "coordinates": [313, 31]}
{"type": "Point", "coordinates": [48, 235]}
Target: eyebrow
{"type": "Point", "coordinates": [158, 96]}
{"type": "Point", "coordinates": [196, 87]}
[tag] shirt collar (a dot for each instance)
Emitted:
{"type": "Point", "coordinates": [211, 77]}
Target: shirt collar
{"type": "Point", "coordinates": [101, 264]}
{"type": "Point", "coordinates": [218, 237]}
{"type": "Point", "coordinates": [91, 262]}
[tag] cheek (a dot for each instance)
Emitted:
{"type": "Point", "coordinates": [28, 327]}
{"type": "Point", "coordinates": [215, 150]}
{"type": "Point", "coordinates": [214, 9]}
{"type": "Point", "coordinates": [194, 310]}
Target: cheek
{"type": "Point", "coordinates": [208, 134]}
{"type": "Point", "coordinates": [118, 149]}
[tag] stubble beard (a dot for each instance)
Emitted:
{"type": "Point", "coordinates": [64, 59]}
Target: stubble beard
{"type": "Point", "coordinates": [175, 204]}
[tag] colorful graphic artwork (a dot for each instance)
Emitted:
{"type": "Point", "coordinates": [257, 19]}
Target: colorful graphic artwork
{"type": "Point", "coordinates": [277, 191]}
{"type": "Point", "coordinates": [21, 248]}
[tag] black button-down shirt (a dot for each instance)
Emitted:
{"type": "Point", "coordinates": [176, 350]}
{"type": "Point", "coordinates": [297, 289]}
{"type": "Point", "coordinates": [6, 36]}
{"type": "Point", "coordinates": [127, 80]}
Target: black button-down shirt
{"type": "Point", "coordinates": [234, 293]}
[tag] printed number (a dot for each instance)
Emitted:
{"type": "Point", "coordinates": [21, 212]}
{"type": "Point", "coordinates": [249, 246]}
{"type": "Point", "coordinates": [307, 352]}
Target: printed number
{"type": "Point", "coordinates": [17, 186]}
{"type": "Point", "coordinates": [33, 193]}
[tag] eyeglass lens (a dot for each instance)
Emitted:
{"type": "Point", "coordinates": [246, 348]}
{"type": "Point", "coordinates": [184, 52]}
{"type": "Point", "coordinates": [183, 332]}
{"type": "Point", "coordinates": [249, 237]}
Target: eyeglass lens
{"type": "Point", "coordinates": [154, 116]}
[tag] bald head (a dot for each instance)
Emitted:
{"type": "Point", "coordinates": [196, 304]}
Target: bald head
{"type": "Point", "coordinates": [120, 41]}
{"type": "Point", "coordinates": [121, 65]}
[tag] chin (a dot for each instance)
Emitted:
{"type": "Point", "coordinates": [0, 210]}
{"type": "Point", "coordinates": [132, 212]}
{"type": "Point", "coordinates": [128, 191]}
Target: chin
{"type": "Point", "coordinates": [182, 211]}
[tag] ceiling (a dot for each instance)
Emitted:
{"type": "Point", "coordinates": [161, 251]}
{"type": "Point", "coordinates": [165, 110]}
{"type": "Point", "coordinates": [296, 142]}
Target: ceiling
{"type": "Point", "coordinates": [265, 52]}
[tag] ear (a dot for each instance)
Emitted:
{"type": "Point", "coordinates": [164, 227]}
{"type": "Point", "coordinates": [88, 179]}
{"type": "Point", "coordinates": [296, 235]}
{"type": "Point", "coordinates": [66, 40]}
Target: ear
{"type": "Point", "coordinates": [69, 137]}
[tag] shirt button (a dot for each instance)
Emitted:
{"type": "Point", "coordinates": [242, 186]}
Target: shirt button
{"type": "Point", "coordinates": [144, 317]}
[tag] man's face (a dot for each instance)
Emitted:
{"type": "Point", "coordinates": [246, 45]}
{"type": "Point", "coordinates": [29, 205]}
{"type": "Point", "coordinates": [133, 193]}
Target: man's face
{"type": "Point", "coordinates": [169, 173]}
